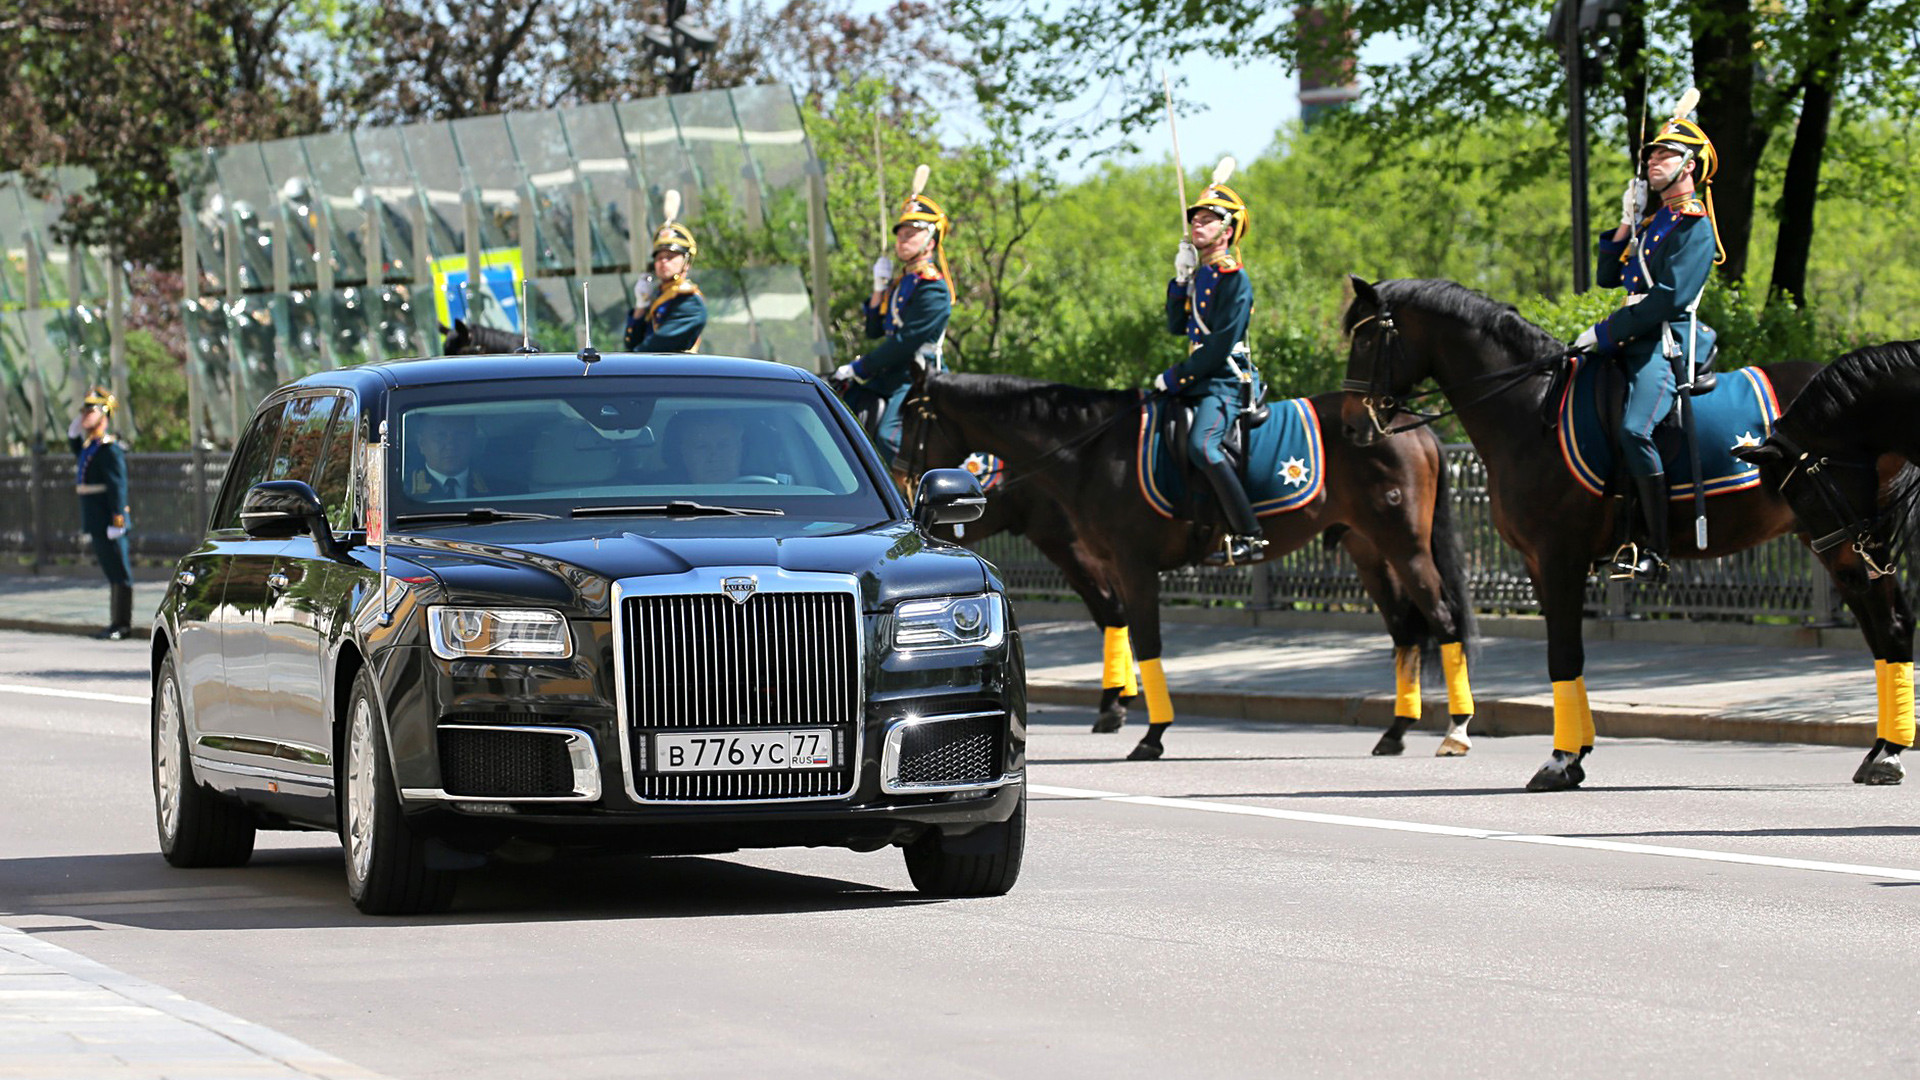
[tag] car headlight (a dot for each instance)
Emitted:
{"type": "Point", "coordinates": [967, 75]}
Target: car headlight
{"type": "Point", "coordinates": [949, 623]}
{"type": "Point", "coordinates": [512, 633]}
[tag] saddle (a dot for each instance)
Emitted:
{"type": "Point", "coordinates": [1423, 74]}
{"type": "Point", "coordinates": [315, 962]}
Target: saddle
{"type": "Point", "coordinates": [1176, 426]}
{"type": "Point", "coordinates": [1669, 436]}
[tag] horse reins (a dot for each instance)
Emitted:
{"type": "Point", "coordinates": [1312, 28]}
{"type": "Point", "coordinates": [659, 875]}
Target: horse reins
{"type": "Point", "coordinates": [925, 414]}
{"type": "Point", "coordinates": [1377, 391]}
{"type": "Point", "coordinates": [1859, 529]}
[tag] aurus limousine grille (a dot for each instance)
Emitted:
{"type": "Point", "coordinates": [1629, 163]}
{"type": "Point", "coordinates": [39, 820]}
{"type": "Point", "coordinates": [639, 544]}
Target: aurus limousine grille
{"type": "Point", "coordinates": [777, 660]}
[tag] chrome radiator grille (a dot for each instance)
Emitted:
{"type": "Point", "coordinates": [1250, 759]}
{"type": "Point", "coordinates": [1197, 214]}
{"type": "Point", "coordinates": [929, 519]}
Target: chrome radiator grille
{"type": "Point", "coordinates": [705, 662]}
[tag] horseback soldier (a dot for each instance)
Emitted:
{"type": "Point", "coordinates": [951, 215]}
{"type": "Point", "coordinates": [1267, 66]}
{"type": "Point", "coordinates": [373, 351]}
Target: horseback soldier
{"type": "Point", "coordinates": [910, 312]}
{"type": "Point", "coordinates": [1663, 259]}
{"type": "Point", "coordinates": [668, 312]}
{"type": "Point", "coordinates": [101, 482]}
{"type": "Point", "coordinates": [1210, 300]}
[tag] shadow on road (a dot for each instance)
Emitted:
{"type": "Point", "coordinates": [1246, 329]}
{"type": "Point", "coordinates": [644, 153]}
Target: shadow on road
{"type": "Point", "coordinates": [305, 887]}
{"type": "Point", "coordinates": [1854, 830]}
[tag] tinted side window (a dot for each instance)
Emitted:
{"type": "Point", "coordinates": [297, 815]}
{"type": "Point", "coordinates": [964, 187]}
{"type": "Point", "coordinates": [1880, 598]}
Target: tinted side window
{"type": "Point", "coordinates": [249, 466]}
{"type": "Point", "coordinates": [335, 486]}
{"type": "Point", "coordinates": [303, 437]}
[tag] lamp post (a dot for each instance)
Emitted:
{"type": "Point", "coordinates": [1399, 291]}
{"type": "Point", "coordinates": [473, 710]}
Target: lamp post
{"type": "Point", "coordinates": [1572, 23]}
{"type": "Point", "coordinates": [683, 43]}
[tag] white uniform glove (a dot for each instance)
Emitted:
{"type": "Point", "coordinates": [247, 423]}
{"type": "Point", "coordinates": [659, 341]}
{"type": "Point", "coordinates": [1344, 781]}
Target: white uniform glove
{"type": "Point", "coordinates": [844, 373]}
{"type": "Point", "coordinates": [1185, 262]}
{"type": "Point", "coordinates": [643, 288]}
{"type": "Point", "coordinates": [115, 532]}
{"type": "Point", "coordinates": [882, 273]}
{"type": "Point", "coordinates": [73, 429]}
{"type": "Point", "coordinates": [1587, 340]}
{"type": "Point", "coordinates": [1162, 383]}
{"type": "Point", "coordinates": [1633, 203]}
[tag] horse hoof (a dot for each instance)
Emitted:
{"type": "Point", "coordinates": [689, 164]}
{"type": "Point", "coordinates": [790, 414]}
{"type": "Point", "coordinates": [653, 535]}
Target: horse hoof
{"type": "Point", "coordinates": [1146, 751]}
{"type": "Point", "coordinates": [1884, 773]}
{"type": "Point", "coordinates": [1389, 746]}
{"type": "Point", "coordinates": [1109, 722]}
{"type": "Point", "coordinates": [1453, 746]}
{"type": "Point", "coordinates": [1558, 774]}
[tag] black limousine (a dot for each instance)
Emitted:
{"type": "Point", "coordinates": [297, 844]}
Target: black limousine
{"type": "Point", "coordinates": [662, 604]}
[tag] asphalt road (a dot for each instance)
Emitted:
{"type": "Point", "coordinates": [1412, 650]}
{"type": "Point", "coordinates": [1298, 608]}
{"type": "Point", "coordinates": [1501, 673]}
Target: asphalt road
{"type": "Point", "coordinates": [1265, 902]}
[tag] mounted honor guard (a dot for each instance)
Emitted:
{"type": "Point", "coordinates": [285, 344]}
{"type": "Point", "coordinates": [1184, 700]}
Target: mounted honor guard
{"type": "Point", "coordinates": [909, 311]}
{"type": "Point", "coordinates": [669, 314]}
{"type": "Point", "coordinates": [1210, 300]}
{"type": "Point", "coordinates": [1662, 253]}
{"type": "Point", "coordinates": [101, 482]}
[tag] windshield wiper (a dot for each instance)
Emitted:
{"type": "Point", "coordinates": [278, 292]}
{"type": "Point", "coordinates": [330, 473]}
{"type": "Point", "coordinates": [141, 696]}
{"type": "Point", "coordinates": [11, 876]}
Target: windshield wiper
{"type": "Point", "coordinates": [676, 508]}
{"type": "Point", "coordinates": [475, 516]}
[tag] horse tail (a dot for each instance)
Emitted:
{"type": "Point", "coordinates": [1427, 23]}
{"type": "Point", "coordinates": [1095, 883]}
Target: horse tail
{"type": "Point", "coordinates": [1450, 559]}
{"type": "Point", "coordinates": [1903, 492]}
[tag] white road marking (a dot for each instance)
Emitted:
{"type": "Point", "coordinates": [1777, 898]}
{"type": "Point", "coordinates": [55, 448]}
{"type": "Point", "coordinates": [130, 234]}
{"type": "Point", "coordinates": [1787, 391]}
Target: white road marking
{"type": "Point", "coordinates": [82, 695]}
{"type": "Point", "coordinates": [1388, 824]}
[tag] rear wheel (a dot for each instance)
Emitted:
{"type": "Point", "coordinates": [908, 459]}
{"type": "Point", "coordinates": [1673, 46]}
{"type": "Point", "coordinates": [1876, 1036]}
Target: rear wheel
{"type": "Point", "coordinates": [985, 862]}
{"type": "Point", "coordinates": [197, 827]}
{"type": "Point", "coordinates": [387, 872]}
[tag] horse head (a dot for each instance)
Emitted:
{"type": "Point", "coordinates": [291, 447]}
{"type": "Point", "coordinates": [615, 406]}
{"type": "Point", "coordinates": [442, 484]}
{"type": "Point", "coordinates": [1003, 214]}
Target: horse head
{"type": "Point", "coordinates": [457, 341]}
{"type": "Point", "coordinates": [1380, 371]}
{"type": "Point", "coordinates": [1836, 497]}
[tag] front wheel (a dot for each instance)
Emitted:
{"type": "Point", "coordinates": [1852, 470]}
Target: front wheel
{"type": "Point", "coordinates": [985, 862]}
{"type": "Point", "coordinates": [387, 872]}
{"type": "Point", "coordinates": [198, 827]}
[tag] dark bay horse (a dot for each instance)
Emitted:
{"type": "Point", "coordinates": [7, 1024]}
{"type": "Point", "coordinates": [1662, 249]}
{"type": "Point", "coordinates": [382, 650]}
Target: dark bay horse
{"type": "Point", "coordinates": [472, 339]}
{"type": "Point", "coordinates": [1076, 447]}
{"type": "Point", "coordinates": [1842, 456]}
{"type": "Point", "coordinates": [1492, 365]}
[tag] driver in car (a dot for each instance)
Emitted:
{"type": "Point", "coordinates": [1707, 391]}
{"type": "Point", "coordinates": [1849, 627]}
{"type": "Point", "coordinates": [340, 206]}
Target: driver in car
{"type": "Point", "coordinates": [445, 445]}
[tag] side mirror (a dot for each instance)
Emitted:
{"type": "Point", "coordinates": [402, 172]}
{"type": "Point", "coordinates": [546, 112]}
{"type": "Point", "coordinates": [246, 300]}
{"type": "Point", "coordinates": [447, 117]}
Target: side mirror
{"type": "Point", "coordinates": [948, 497]}
{"type": "Point", "coordinates": [278, 509]}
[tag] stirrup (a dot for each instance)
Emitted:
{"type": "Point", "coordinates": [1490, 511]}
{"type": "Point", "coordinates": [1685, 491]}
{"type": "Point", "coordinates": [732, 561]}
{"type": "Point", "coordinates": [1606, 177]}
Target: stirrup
{"type": "Point", "coordinates": [1635, 563]}
{"type": "Point", "coordinates": [1236, 549]}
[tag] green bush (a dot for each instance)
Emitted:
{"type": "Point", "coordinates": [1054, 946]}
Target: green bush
{"type": "Point", "coordinates": [157, 381]}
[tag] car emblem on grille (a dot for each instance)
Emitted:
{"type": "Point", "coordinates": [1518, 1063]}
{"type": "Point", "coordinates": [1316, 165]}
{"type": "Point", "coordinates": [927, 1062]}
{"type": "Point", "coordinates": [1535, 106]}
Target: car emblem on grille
{"type": "Point", "coordinates": [740, 589]}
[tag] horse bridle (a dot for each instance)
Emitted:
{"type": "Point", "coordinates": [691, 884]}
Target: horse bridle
{"type": "Point", "coordinates": [1383, 404]}
{"type": "Point", "coordinates": [924, 414]}
{"type": "Point", "coordinates": [1859, 530]}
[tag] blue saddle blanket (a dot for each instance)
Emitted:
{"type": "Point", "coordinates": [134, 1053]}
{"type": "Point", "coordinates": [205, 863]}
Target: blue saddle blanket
{"type": "Point", "coordinates": [1284, 469]}
{"type": "Point", "coordinates": [1739, 412]}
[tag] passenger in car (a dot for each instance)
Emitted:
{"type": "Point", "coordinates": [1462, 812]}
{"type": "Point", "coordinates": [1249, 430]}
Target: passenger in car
{"type": "Point", "coordinates": [702, 448]}
{"type": "Point", "coordinates": [445, 447]}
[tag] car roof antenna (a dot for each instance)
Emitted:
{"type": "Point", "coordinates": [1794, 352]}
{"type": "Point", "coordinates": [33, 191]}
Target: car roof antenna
{"type": "Point", "coordinates": [588, 354]}
{"type": "Point", "coordinates": [526, 326]}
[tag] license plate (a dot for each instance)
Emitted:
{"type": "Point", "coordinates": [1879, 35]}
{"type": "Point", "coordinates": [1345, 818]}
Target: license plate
{"type": "Point", "coordinates": [734, 751]}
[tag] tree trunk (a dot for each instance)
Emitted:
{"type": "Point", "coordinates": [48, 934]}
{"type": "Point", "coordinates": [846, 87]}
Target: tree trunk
{"type": "Point", "coordinates": [1828, 24]}
{"type": "Point", "coordinates": [1723, 70]}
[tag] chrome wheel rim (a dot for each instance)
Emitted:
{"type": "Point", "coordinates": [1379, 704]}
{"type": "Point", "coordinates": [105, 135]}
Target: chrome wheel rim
{"type": "Point", "coordinates": [166, 759]}
{"type": "Point", "coordinates": [360, 790]}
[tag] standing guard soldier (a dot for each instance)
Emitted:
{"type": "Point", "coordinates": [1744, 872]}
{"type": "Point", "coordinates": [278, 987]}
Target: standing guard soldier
{"type": "Point", "coordinates": [912, 316]}
{"type": "Point", "coordinates": [1210, 300]}
{"type": "Point", "coordinates": [101, 482]}
{"type": "Point", "coordinates": [1663, 260]}
{"type": "Point", "coordinates": [668, 312]}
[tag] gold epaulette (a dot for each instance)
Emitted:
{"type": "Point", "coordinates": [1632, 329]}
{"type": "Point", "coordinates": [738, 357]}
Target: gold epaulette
{"type": "Point", "coordinates": [928, 273]}
{"type": "Point", "coordinates": [1690, 208]}
{"type": "Point", "coordinates": [1226, 263]}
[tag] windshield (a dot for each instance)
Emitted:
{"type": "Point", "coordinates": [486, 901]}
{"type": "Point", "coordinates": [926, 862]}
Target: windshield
{"type": "Point", "coordinates": [645, 445]}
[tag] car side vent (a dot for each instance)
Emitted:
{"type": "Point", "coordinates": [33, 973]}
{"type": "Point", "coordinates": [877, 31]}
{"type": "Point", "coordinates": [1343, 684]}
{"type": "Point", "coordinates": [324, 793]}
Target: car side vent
{"type": "Point", "coordinates": [504, 764]}
{"type": "Point", "coordinates": [959, 751]}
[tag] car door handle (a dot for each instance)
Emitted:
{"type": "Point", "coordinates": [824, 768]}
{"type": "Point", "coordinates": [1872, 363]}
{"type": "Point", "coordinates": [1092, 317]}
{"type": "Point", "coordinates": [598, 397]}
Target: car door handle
{"type": "Point", "coordinates": [277, 580]}
{"type": "Point", "coordinates": [185, 577]}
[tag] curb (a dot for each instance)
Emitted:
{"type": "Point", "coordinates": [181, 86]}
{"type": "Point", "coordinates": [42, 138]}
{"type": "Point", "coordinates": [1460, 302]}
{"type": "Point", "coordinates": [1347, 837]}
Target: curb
{"type": "Point", "coordinates": [1494, 717]}
{"type": "Point", "coordinates": [41, 626]}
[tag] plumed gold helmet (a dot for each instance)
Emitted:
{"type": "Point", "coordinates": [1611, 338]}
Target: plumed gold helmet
{"type": "Point", "coordinates": [101, 398]}
{"type": "Point", "coordinates": [674, 236]}
{"type": "Point", "coordinates": [924, 212]}
{"type": "Point", "coordinates": [1685, 136]}
{"type": "Point", "coordinates": [1226, 202]}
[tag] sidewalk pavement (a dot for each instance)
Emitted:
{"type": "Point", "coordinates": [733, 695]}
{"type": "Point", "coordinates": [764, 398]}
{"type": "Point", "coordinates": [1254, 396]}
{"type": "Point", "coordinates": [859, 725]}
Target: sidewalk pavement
{"type": "Point", "coordinates": [1276, 672]}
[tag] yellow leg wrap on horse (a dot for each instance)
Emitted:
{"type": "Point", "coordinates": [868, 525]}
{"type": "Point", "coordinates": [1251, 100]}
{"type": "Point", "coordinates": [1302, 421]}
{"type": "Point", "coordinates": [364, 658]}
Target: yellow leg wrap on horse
{"type": "Point", "coordinates": [1882, 696]}
{"type": "Point", "coordinates": [1900, 703]}
{"type": "Point", "coordinates": [1453, 662]}
{"type": "Point", "coordinates": [1571, 720]}
{"type": "Point", "coordinates": [1132, 688]}
{"type": "Point", "coordinates": [1115, 658]}
{"type": "Point", "coordinates": [1406, 681]}
{"type": "Point", "coordinates": [1153, 680]}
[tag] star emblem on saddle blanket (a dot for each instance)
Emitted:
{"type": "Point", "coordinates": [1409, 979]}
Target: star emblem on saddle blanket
{"type": "Point", "coordinates": [1294, 471]}
{"type": "Point", "coordinates": [1746, 439]}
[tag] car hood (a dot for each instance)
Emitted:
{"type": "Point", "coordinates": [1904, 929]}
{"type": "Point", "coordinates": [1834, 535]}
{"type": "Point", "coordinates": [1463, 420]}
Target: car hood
{"type": "Point", "coordinates": [574, 563]}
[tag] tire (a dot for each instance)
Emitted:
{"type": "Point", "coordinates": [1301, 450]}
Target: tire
{"type": "Point", "coordinates": [197, 826]}
{"type": "Point", "coordinates": [386, 861]}
{"type": "Point", "coordinates": [988, 868]}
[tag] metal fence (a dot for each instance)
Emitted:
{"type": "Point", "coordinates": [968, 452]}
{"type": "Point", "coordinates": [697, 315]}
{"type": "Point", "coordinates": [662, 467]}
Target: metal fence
{"type": "Point", "coordinates": [39, 518]}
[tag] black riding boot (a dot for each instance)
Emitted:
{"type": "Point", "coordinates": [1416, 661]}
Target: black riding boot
{"type": "Point", "coordinates": [1246, 541]}
{"type": "Point", "coordinates": [120, 617]}
{"type": "Point", "coordinates": [1647, 561]}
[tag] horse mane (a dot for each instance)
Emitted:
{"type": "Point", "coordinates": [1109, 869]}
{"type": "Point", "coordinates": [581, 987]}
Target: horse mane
{"type": "Point", "coordinates": [1850, 382]}
{"type": "Point", "coordinates": [1022, 399]}
{"type": "Point", "coordinates": [1497, 319]}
